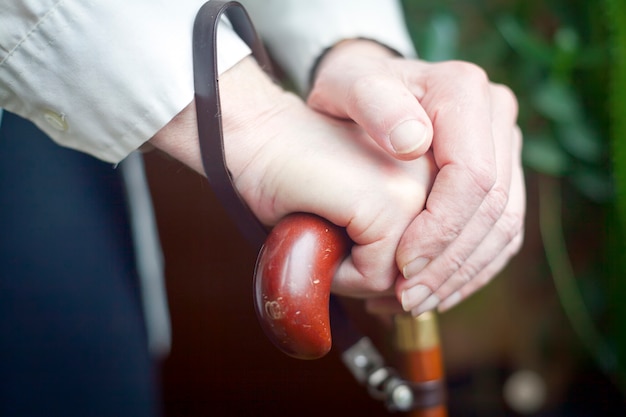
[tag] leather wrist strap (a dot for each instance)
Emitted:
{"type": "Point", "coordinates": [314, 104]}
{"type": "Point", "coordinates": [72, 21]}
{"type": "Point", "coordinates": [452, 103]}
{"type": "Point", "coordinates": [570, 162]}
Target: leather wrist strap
{"type": "Point", "coordinates": [206, 84]}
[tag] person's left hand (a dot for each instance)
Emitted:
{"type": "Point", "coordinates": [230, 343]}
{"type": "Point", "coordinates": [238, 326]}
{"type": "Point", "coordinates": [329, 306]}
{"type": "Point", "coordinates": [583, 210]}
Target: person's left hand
{"type": "Point", "coordinates": [473, 221]}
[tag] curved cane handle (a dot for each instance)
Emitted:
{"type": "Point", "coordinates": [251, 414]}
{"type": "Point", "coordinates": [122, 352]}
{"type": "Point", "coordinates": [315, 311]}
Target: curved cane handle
{"type": "Point", "coordinates": [292, 280]}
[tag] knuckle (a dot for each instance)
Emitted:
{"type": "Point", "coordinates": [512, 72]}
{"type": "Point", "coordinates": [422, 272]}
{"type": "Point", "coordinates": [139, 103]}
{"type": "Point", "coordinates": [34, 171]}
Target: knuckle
{"type": "Point", "coordinates": [360, 88]}
{"type": "Point", "coordinates": [511, 225]}
{"type": "Point", "coordinates": [406, 195]}
{"type": "Point", "coordinates": [448, 231]}
{"type": "Point", "coordinates": [468, 72]}
{"type": "Point", "coordinates": [483, 277]}
{"type": "Point", "coordinates": [494, 207]}
{"type": "Point", "coordinates": [466, 273]}
{"type": "Point", "coordinates": [483, 176]}
{"type": "Point", "coordinates": [505, 97]}
{"type": "Point", "coordinates": [455, 265]}
{"type": "Point", "coordinates": [360, 85]}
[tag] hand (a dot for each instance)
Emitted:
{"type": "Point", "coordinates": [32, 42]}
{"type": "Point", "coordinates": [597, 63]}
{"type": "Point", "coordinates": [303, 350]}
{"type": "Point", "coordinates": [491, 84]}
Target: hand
{"type": "Point", "coordinates": [285, 158]}
{"type": "Point", "coordinates": [473, 221]}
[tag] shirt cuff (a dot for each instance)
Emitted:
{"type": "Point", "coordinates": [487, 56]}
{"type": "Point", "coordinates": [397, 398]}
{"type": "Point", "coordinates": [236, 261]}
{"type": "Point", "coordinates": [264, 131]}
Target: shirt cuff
{"type": "Point", "coordinates": [98, 80]}
{"type": "Point", "coordinates": [298, 32]}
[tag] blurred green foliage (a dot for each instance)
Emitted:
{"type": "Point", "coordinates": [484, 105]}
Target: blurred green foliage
{"type": "Point", "coordinates": [565, 61]}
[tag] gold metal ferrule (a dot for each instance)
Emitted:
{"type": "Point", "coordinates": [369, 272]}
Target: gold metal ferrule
{"type": "Point", "coordinates": [416, 333]}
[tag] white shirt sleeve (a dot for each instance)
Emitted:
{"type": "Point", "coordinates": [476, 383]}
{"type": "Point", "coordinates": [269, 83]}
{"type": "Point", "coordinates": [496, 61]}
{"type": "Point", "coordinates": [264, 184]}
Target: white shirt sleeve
{"type": "Point", "coordinates": [101, 76]}
{"type": "Point", "coordinates": [104, 76]}
{"type": "Point", "coordinates": [298, 32]}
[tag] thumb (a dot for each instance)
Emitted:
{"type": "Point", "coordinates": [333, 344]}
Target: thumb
{"type": "Point", "coordinates": [385, 108]}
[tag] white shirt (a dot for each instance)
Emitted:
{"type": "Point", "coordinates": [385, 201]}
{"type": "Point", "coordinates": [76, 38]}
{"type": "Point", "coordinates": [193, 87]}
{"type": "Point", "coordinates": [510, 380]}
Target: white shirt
{"type": "Point", "coordinates": [104, 76]}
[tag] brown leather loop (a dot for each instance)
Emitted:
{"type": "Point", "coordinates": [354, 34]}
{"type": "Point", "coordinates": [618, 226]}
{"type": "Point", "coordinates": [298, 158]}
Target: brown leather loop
{"type": "Point", "coordinates": [206, 84]}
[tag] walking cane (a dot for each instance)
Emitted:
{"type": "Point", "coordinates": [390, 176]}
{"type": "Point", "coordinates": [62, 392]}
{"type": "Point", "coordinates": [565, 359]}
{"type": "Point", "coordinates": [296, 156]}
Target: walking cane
{"type": "Point", "coordinates": [298, 258]}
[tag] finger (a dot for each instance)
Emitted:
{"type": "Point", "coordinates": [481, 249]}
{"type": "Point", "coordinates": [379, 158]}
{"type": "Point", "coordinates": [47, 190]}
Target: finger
{"type": "Point", "coordinates": [484, 277]}
{"type": "Point", "coordinates": [458, 290]}
{"type": "Point", "coordinates": [458, 102]}
{"type": "Point", "coordinates": [488, 260]}
{"type": "Point", "coordinates": [461, 234]}
{"type": "Point", "coordinates": [507, 227]}
{"type": "Point", "coordinates": [384, 106]}
{"type": "Point", "coordinates": [378, 224]}
{"type": "Point", "coordinates": [511, 224]}
{"type": "Point", "coordinates": [391, 115]}
{"type": "Point", "coordinates": [368, 271]}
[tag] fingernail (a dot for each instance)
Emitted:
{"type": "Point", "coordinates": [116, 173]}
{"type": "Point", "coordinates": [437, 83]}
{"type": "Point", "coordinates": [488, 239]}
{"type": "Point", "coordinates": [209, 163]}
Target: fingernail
{"type": "Point", "coordinates": [414, 296]}
{"type": "Point", "coordinates": [414, 267]}
{"type": "Point", "coordinates": [452, 300]}
{"type": "Point", "coordinates": [408, 136]}
{"type": "Point", "coordinates": [429, 304]}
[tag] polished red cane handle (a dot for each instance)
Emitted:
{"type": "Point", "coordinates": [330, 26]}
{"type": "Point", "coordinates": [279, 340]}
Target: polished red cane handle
{"type": "Point", "coordinates": [292, 281]}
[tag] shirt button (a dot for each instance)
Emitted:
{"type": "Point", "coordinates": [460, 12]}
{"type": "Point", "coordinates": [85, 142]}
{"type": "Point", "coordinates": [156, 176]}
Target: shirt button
{"type": "Point", "coordinates": [55, 120]}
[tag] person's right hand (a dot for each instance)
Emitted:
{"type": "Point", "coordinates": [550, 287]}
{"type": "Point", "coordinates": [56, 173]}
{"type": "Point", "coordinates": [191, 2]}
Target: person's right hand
{"type": "Point", "coordinates": [474, 216]}
{"type": "Point", "coordinates": [285, 158]}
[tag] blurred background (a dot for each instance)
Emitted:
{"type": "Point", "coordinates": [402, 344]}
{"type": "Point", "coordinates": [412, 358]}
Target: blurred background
{"type": "Point", "coordinates": [546, 338]}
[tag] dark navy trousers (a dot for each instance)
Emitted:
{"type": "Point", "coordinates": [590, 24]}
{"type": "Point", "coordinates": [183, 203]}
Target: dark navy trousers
{"type": "Point", "coordinates": [72, 335]}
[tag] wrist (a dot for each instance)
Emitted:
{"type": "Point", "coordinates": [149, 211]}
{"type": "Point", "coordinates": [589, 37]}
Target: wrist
{"type": "Point", "coordinates": [256, 114]}
{"type": "Point", "coordinates": [252, 106]}
{"type": "Point", "coordinates": [248, 99]}
{"type": "Point", "coordinates": [363, 46]}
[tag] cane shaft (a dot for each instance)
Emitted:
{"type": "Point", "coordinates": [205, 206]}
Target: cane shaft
{"type": "Point", "coordinates": [420, 359]}
{"type": "Point", "coordinates": [422, 366]}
